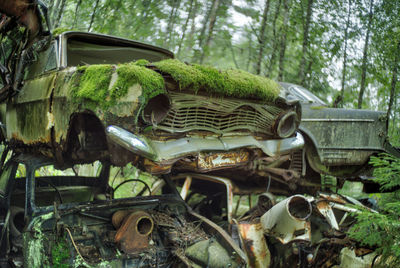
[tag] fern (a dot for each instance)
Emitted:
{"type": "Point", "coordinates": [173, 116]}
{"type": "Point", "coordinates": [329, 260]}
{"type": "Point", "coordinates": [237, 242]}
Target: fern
{"type": "Point", "coordinates": [382, 230]}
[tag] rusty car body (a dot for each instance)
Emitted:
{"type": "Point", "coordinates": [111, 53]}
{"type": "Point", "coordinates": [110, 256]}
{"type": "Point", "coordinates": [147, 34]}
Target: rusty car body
{"type": "Point", "coordinates": [74, 220]}
{"type": "Point", "coordinates": [339, 141]}
{"type": "Point", "coordinates": [173, 131]}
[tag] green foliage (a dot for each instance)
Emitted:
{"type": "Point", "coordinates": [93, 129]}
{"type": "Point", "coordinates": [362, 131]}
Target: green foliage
{"type": "Point", "coordinates": [232, 83]}
{"type": "Point", "coordinates": [382, 230]}
{"type": "Point", "coordinates": [60, 253]}
{"type": "Point", "coordinates": [387, 171]}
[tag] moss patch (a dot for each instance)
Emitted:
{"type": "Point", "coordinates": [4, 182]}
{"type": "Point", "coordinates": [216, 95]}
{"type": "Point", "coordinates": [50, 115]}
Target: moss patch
{"type": "Point", "coordinates": [60, 253]}
{"type": "Point", "coordinates": [102, 85]}
{"type": "Point", "coordinates": [317, 107]}
{"type": "Point", "coordinates": [93, 84]}
{"type": "Point", "coordinates": [233, 83]}
{"type": "Point", "coordinates": [151, 82]}
{"type": "Point", "coordinates": [186, 75]}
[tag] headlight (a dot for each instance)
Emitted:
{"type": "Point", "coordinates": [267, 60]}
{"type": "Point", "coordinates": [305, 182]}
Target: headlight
{"type": "Point", "coordinates": [286, 124]}
{"type": "Point", "coordinates": [156, 109]}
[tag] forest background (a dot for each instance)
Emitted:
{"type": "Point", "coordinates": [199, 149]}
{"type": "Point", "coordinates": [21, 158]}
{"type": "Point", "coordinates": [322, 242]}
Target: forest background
{"type": "Point", "coordinates": [345, 51]}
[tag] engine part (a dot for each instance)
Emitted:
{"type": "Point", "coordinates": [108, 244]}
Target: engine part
{"type": "Point", "coordinates": [133, 234]}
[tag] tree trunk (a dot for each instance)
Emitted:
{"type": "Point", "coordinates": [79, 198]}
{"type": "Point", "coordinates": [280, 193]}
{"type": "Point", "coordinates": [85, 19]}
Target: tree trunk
{"type": "Point", "coordinates": [346, 36]}
{"type": "Point", "coordinates": [213, 19]}
{"type": "Point", "coordinates": [54, 8]}
{"type": "Point", "coordinates": [282, 46]}
{"type": "Point", "coordinates": [190, 11]}
{"type": "Point", "coordinates": [76, 13]}
{"type": "Point", "coordinates": [275, 41]}
{"type": "Point", "coordinates": [306, 41]}
{"type": "Point", "coordinates": [114, 17]}
{"type": "Point", "coordinates": [261, 40]}
{"type": "Point", "coordinates": [59, 14]}
{"type": "Point", "coordinates": [171, 22]}
{"type": "Point", "coordinates": [250, 48]}
{"type": "Point", "coordinates": [190, 37]}
{"type": "Point", "coordinates": [394, 81]}
{"type": "Point", "coordinates": [365, 57]}
{"type": "Point", "coordinates": [201, 38]}
{"type": "Point", "coordinates": [93, 15]}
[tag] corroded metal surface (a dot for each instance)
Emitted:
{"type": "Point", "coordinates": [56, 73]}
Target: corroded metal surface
{"type": "Point", "coordinates": [134, 231]}
{"type": "Point", "coordinates": [213, 161]}
{"type": "Point", "coordinates": [255, 245]}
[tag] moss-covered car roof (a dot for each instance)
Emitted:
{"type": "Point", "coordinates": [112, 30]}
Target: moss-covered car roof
{"type": "Point", "coordinates": [95, 83]}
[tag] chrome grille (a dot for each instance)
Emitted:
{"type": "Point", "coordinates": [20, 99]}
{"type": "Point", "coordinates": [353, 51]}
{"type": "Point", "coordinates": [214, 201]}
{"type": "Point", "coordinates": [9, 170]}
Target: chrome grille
{"type": "Point", "coordinates": [192, 112]}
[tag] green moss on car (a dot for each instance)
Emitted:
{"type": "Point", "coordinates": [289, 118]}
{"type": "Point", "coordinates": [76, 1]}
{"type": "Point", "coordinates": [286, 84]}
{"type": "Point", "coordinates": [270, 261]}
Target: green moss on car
{"type": "Point", "coordinates": [103, 85]}
{"type": "Point", "coordinates": [60, 253]}
{"type": "Point", "coordinates": [152, 83]}
{"type": "Point", "coordinates": [231, 83]}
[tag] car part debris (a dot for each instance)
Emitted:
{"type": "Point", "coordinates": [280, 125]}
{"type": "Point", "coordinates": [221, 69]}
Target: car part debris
{"type": "Point", "coordinates": [287, 220]}
{"type": "Point", "coordinates": [254, 243]}
{"type": "Point", "coordinates": [134, 232]}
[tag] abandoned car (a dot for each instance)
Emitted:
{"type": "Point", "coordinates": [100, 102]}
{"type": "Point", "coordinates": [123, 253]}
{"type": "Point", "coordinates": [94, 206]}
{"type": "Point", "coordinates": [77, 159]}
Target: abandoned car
{"type": "Point", "coordinates": [339, 141]}
{"type": "Point", "coordinates": [77, 97]}
{"type": "Point", "coordinates": [80, 97]}
{"type": "Point", "coordinates": [71, 220]}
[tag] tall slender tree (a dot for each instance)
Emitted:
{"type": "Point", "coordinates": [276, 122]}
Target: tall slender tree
{"type": "Point", "coordinates": [261, 37]}
{"type": "Point", "coordinates": [282, 46]}
{"type": "Point", "coordinates": [365, 56]}
{"type": "Point", "coordinates": [306, 42]}
{"type": "Point", "coordinates": [344, 67]}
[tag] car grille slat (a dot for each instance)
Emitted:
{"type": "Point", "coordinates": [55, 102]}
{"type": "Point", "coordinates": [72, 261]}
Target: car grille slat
{"type": "Point", "coordinates": [192, 112]}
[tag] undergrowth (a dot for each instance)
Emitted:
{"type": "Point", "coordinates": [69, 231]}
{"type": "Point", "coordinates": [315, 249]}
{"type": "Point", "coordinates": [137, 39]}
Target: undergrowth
{"type": "Point", "coordinates": [382, 230]}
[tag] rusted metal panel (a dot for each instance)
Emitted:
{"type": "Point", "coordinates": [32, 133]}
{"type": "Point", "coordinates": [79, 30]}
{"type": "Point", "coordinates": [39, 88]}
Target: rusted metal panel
{"type": "Point", "coordinates": [254, 244]}
{"type": "Point", "coordinates": [348, 258]}
{"type": "Point", "coordinates": [28, 117]}
{"type": "Point", "coordinates": [326, 210]}
{"type": "Point", "coordinates": [344, 136]}
{"type": "Point", "coordinates": [213, 161]}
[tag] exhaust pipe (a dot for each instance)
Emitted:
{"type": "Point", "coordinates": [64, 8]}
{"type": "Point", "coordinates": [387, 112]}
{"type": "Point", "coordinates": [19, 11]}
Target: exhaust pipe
{"type": "Point", "coordinates": [287, 220]}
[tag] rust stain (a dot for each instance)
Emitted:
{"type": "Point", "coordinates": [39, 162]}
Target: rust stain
{"type": "Point", "coordinates": [133, 234]}
{"type": "Point", "coordinates": [212, 161]}
{"type": "Point", "coordinates": [45, 140]}
{"type": "Point", "coordinates": [154, 168]}
{"type": "Point", "coordinates": [254, 244]}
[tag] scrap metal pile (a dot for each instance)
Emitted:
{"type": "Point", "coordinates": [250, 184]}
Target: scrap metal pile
{"type": "Point", "coordinates": [303, 232]}
{"type": "Point", "coordinates": [214, 135]}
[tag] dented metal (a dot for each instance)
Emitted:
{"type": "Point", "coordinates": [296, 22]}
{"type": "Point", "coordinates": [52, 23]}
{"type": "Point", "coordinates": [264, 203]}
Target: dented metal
{"type": "Point", "coordinates": [172, 149]}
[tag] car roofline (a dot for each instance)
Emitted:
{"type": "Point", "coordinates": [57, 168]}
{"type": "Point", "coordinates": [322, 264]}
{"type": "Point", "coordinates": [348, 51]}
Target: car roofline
{"type": "Point", "coordinates": [117, 40]}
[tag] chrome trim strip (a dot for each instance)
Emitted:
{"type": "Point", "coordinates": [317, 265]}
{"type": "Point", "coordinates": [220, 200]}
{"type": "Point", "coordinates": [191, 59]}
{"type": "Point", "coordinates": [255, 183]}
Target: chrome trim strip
{"type": "Point", "coordinates": [172, 149]}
